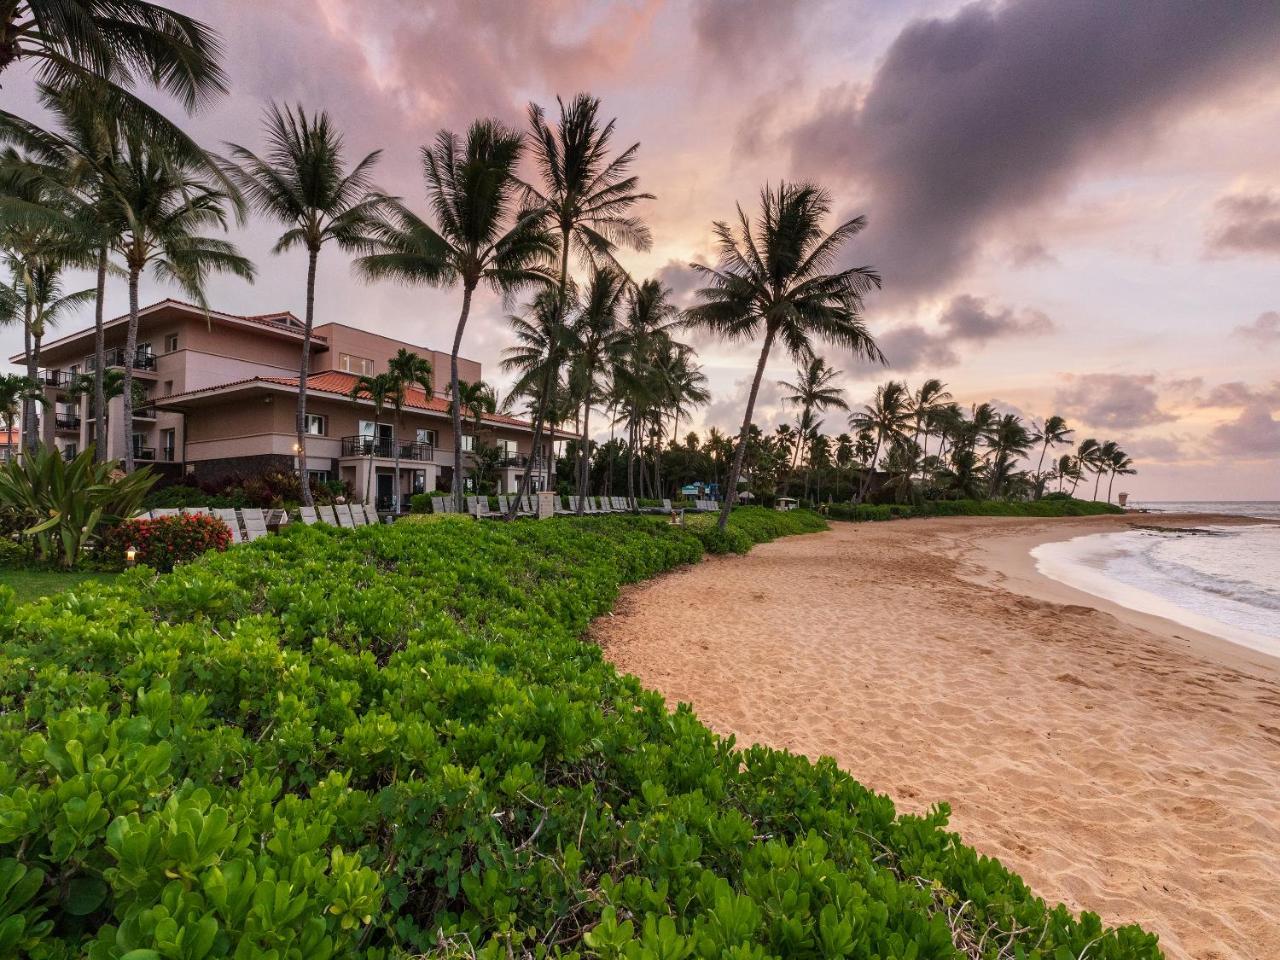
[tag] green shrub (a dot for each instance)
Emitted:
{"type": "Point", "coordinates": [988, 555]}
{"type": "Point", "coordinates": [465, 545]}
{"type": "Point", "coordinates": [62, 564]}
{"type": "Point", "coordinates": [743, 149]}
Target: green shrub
{"type": "Point", "coordinates": [1048, 507]}
{"type": "Point", "coordinates": [420, 503]}
{"type": "Point", "coordinates": [165, 541]}
{"type": "Point", "coordinates": [391, 741]}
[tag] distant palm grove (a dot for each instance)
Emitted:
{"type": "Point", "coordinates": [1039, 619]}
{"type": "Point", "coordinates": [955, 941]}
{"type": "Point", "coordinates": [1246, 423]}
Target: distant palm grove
{"type": "Point", "coordinates": [539, 215]}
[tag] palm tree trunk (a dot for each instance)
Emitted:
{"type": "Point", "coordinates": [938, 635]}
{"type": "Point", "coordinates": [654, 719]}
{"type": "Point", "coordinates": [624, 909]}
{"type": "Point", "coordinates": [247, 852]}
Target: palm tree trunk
{"type": "Point", "coordinates": [30, 429]}
{"type": "Point", "coordinates": [731, 494]}
{"type": "Point", "coordinates": [1111, 478]}
{"type": "Point", "coordinates": [584, 461]}
{"type": "Point", "coordinates": [1039, 467]}
{"type": "Point", "coordinates": [304, 371]}
{"type": "Point", "coordinates": [395, 480]}
{"type": "Point", "coordinates": [871, 470]}
{"type": "Point", "coordinates": [99, 360]}
{"type": "Point", "coordinates": [1097, 479]}
{"type": "Point", "coordinates": [526, 480]}
{"type": "Point", "coordinates": [457, 396]}
{"type": "Point", "coordinates": [631, 461]}
{"type": "Point", "coordinates": [130, 348]}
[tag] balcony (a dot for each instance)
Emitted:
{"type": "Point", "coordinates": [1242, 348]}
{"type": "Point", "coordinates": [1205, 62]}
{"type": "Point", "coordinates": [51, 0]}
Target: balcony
{"type": "Point", "coordinates": [385, 449]}
{"type": "Point", "coordinates": [142, 360]}
{"type": "Point", "coordinates": [144, 413]}
{"type": "Point", "coordinates": [144, 453]}
{"type": "Point", "coordinates": [167, 454]}
{"type": "Point", "coordinates": [67, 422]}
{"type": "Point", "coordinates": [521, 460]}
{"type": "Point", "coordinates": [54, 378]}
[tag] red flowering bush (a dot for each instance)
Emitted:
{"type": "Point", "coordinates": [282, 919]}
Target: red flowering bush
{"type": "Point", "coordinates": [165, 541]}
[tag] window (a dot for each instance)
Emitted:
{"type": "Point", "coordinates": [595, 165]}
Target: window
{"type": "Point", "coordinates": [168, 444]}
{"type": "Point", "coordinates": [349, 364]}
{"type": "Point", "coordinates": [317, 424]}
{"type": "Point", "coordinates": [144, 349]}
{"type": "Point", "coordinates": [507, 448]}
{"type": "Point", "coordinates": [468, 443]}
{"type": "Point", "coordinates": [140, 448]}
{"type": "Point", "coordinates": [168, 388]}
{"type": "Point", "coordinates": [170, 342]}
{"type": "Point", "coordinates": [426, 436]}
{"type": "Point", "coordinates": [69, 450]}
{"type": "Point", "coordinates": [367, 429]}
{"type": "Point", "coordinates": [74, 369]}
{"type": "Point", "coordinates": [319, 476]}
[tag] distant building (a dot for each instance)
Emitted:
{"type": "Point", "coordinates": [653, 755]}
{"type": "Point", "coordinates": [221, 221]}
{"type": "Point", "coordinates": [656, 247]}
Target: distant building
{"type": "Point", "coordinates": [218, 399]}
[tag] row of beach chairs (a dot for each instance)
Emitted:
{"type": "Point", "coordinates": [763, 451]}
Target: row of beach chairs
{"type": "Point", "coordinates": [246, 524]}
{"type": "Point", "coordinates": [598, 505]}
{"type": "Point", "coordinates": [705, 506]}
{"type": "Point", "coordinates": [348, 515]}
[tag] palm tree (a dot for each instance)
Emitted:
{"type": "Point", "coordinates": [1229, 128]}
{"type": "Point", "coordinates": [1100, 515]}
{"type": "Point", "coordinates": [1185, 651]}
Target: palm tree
{"type": "Point", "coordinates": [163, 203]}
{"type": "Point", "coordinates": [481, 235]}
{"type": "Point", "coordinates": [813, 391]}
{"type": "Point", "coordinates": [1010, 440]}
{"type": "Point", "coordinates": [381, 388]}
{"type": "Point", "coordinates": [929, 399]}
{"type": "Point", "coordinates": [1101, 462]}
{"type": "Point", "coordinates": [1054, 431]}
{"type": "Point", "coordinates": [1118, 462]}
{"type": "Point", "coordinates": [16, 394]}
{"type": "Point", "coordinates": [303, 183]}
{"type": "Point", "coordinates": [105, 47]}
{"type": "Point", "coordinates": [683, 386]}
{"type": "Point", "coordinates": [597, 340]}
{"type": "Point", "coordinates": [588, 198]}
{"type": "Point", "coordinates": [887, 419]}
{"type": "Point", "coordinates": [1087, 454]}
{"type": "Point", "coordinates": [536, 359]}
{"type": "Point", "coordinates": [100, 387]}
{"type": "Point", "coordinates": [771, 279]}
{"type": "Point", "coordinates": [406, 370]}
{"type": "Point", "coordinates": [1066, 468]}
{"type": "Point", "coordinates": [477, 399]}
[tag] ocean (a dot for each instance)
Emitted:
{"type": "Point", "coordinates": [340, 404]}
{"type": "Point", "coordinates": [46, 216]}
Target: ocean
{"type": "Point", "coordinates": [1264, 509]}
{"type": "Point", "coordinates": [1223, 581]}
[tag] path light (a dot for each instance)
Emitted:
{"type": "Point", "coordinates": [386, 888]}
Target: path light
{"type": "Point", "coordinates": [130, 556]}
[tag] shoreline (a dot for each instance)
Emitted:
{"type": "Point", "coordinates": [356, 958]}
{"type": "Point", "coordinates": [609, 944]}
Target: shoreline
{"type": "Point", "coordinates": [1119, 762]}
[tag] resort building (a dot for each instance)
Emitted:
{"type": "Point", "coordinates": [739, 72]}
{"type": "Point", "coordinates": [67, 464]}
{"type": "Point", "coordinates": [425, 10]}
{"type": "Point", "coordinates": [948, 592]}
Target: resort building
{"type": "Point", "coordinates": [216, 399]}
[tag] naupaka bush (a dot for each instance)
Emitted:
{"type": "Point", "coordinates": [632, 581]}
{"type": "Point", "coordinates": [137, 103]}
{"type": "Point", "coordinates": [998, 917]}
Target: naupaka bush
{"type": "Point", "coordinates": [393, 741]}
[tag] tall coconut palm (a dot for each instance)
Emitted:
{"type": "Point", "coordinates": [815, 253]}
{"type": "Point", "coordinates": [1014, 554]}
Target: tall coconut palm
{"type": "Point", "coordinates": [772, 283]}
{"type": "Point", "coordinates": [597, 338]}
{"type": "Point", "coordinates": [406, 370]}
{"type": "Point", "coordinates": [1086, 457]}
{"type": "Point", "coordinates": [814, 391]}
{"type": "Point", "coordinates": [1119, 463]}
{"type": "Point", "coordinates": [588, 197]}
{"type": "Point", "coordinates": [1054, 432]}
{"type": "Point", "coordinates": [164, 204]}
{"type": "Point", "coordinates": [887, 419]}
{"type": "Point", "coordinates": [482, 235]}
{"type": "Point", "coordinates": [477, 399]}
{"type": "Point", "coordinates": [929, 399]}
{"type": "Point", "coordinates": [303, 182]}
{"type": "Point", "coordinates": [1101, 462]}
{"type": "Point", "coordinates": [381, 389]}
{"type": "Point", "coordinates": [1010, 440]}
{"type": "Point", "coordinates": [1066, 469]}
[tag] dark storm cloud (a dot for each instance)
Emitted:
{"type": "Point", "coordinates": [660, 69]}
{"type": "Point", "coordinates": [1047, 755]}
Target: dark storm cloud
{"type": "Point", "coordinates": [996, 109]}
{"type": "Point", "coordinates": [965, 319]}
{"type": "Point", "coordinates": [1114, 400]}
{"type": "Point", "coordinates": [1245, 223]}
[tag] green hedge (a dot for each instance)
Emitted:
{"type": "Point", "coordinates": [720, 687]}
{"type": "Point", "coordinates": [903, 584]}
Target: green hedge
{"type": "Point", "coordinates": [392, 741]}
{"type": "Point", "coordinates": [972, 508]}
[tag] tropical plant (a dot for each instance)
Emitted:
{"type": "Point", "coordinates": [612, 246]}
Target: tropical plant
{"type": "Point", "coordinates": [1118, 464]}
{"type": "Point", "coordinates": [588, 198]}
{"type": "Point", "coordinates": [65, 503]}
{"type": "Point", "coordinates": [303, 182]}
{"type": "Point", "coordinates": [813, 390]}
{"type": "Point", "coordinates": [481, 235]}
{"type": "Point", "coordinates": [1054, 431]}
{"type": "Point", "coordinates": [771, 283]}
{"type": "Point", "coordinates": [16, 393]}
{"type": "Point", "coordinates": [381, 389]}
{"type": "Point", "coordinates": [406, 369]}
{"type": "Point", "coordinates": [596, 341]}
{"type": "Point", "coordinates": [1088, 457]}
{"type": "Point", "coordinates": [164, 203]}
{"type": "Point", "coordinates": [886, 419]}
{"type": "Point", "coordinates": [1010, 440]}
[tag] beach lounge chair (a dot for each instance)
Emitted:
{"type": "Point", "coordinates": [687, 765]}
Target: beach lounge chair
{"type": "Point", "coordinates": [666, 505]}
{"type": "Point", "coordinates": [255, 523]}
{"type": "Point", "coordinates": [371, 514]}
{"type": "Point", "coordinates": [358, 517]}
{"type": "Point", "coordinates": [619, 504]}
{"type": "Point", "coordinates": [442, 505]}
{"type": "Point", "coordinates": [326, 514]}
{"type": "Point", "coordinates": [164, 512]}
{"type": "Point", "coordinates": [504, 504]}
{"type": "Point", "coordinates": [478, 507]}
{"type": "Point", "coordinates": [228, 516]}
{"type": "Point", "coordinates": [308, 515]}
{"type": "Point", "coordinates": [277, 517]}
{"type": "Point", "coordinates": [561, 509]}
{"type": "Point", "coordinates": [195, 511]}
{"type": "Point", "coordinates": [343, 512]}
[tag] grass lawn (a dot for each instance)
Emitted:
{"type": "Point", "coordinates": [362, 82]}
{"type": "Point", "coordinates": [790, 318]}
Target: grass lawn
{"type": "Point", "coordinates": [32, 584]}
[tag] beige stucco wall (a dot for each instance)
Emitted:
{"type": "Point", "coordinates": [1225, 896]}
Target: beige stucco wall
{"type": "Point", "coordinates": [362, 343]}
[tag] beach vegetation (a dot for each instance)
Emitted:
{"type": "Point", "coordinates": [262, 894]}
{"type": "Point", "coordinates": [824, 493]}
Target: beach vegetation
{"type": "Point", "coordinates": [394, 741]}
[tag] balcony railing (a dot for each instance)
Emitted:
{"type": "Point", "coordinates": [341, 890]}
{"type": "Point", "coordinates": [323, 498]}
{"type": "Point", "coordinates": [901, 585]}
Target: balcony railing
{"type": "Point", "coordinates": [142, 360]}
{"type": "Point", "coordinates": [522, 460]}
{"type": "Point", "coordinates": [144, 413]}
{"type": "Point", "coordinates": [167, 454]}
{"type": "Point", "coordinates": [385, 448]}
{"type": "Point", "coordinates": [144, 453]}
{"type": "Point", "coordinates": [54, 378]}
{"type": "Point", "coordinates": [66, 422]}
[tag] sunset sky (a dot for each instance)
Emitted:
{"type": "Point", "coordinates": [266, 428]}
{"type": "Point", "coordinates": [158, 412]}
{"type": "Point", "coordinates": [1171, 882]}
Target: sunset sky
{"type": "Point", "coordinates": [1075, 205]}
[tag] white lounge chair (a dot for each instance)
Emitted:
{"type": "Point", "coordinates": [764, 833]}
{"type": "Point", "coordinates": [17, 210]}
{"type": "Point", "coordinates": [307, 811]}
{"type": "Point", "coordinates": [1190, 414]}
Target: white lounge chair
{"type": "Point", "coordinates": [195, 511]}
{"type": "Point", "coordinates": [343, 512]}
{"type": "Point", "coordinates": [326, 514]}
{"type": "Point", "coordinates": [255, 523]}
{"type": "Point", "coordinates": [308, 515]}
{"type": "Point", "coordinates": [371, 514]}
{"type": "Point", "coordinates": [358, 517]}
{"type": "Point", "coordinates": [228, 516]}
{"type": "Point", "coordinates": [442, 505]}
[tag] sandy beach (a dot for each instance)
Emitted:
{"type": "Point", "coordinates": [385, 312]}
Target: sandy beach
{"type": "Point", "coordinates": [1119, 762]}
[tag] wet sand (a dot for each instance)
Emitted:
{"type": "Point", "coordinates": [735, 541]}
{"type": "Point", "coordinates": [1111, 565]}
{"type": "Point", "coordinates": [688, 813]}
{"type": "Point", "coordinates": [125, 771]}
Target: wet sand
{"type": "Point", "coordinates": [1119, 762]}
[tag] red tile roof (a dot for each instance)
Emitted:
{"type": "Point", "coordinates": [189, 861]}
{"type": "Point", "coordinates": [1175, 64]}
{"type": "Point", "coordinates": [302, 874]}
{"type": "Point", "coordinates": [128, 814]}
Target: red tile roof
{"type": "Point", "coordinates": [340, 383]}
